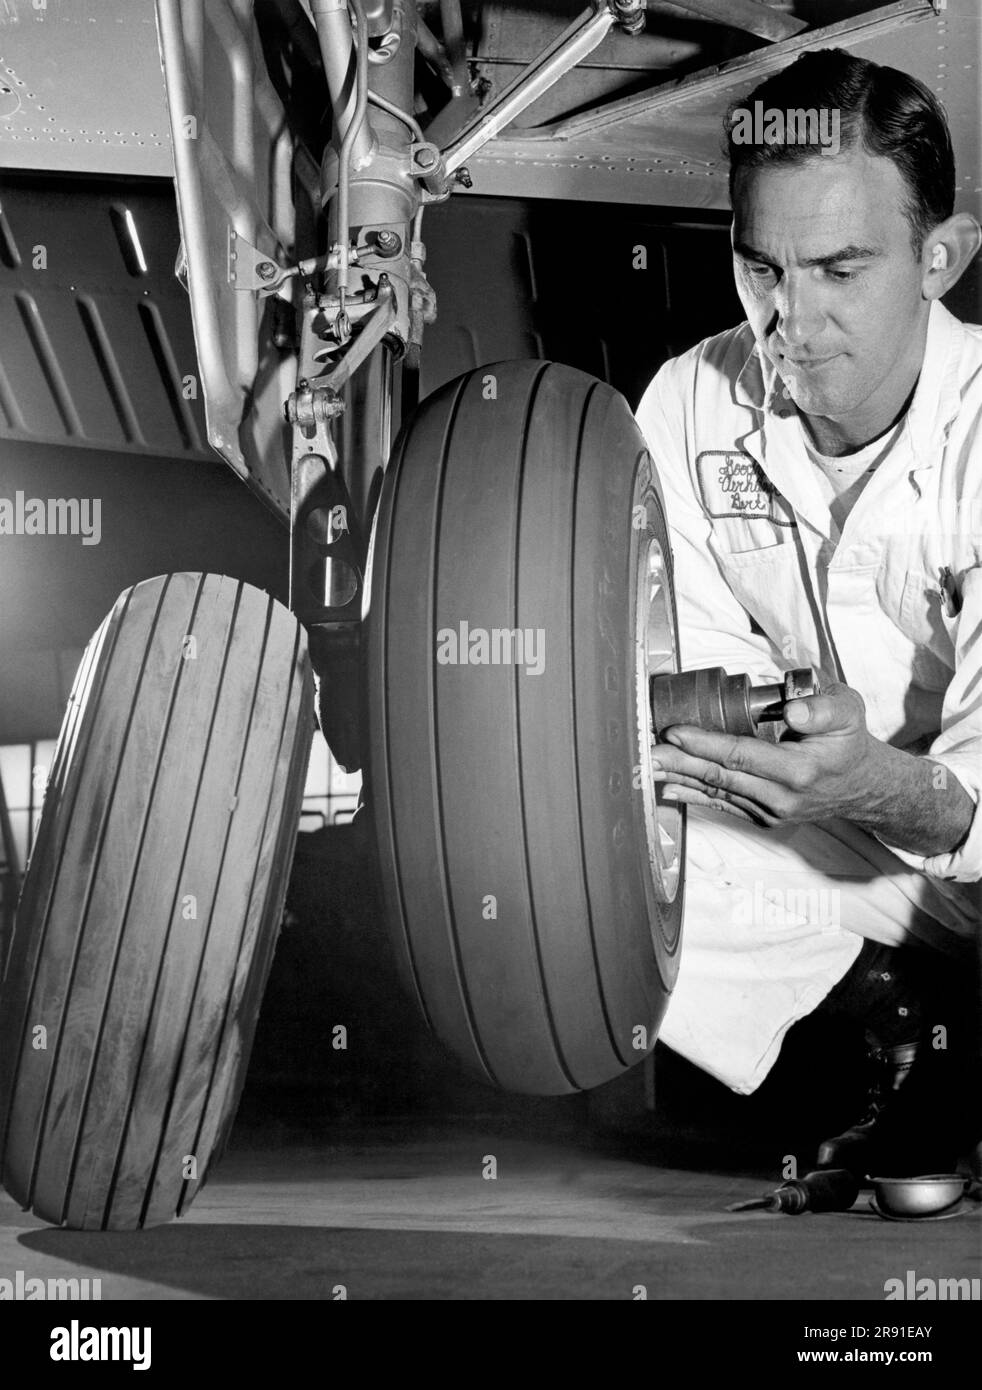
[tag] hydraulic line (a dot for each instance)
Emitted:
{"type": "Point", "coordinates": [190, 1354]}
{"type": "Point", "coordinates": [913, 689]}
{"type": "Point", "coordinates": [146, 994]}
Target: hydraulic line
{"type": "Point", "coordinates": [404, 116]}
{"type": "Point", "coordinates": [344, 157]}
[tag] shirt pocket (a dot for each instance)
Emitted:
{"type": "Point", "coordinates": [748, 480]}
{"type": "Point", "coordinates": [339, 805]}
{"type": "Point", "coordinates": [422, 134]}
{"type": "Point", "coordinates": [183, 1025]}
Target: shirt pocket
{"type": "Point", "coordinates": [950, 622]}
{"type": "Point", "coordinates": [925, 622]}
{"type": "Point", "coordinates": [734, 539]}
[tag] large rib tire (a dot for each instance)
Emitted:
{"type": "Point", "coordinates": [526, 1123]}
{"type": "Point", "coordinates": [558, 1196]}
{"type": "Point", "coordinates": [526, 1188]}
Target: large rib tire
{"type": "Point", "coordinates": [152, 902]}
{"type": "Point", "coordinates": [511, 833]}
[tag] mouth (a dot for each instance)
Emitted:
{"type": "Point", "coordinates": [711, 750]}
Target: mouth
{"type": "Point", "coordinates": [808, 364]}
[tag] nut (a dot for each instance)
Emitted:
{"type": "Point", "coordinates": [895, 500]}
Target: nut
{"type": "Point", "coordinates": [388, 243]}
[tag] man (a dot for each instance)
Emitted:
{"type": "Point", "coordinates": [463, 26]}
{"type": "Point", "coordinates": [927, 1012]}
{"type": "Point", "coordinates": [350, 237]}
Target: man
{"type": "Point", "coordinates": [822, 472]}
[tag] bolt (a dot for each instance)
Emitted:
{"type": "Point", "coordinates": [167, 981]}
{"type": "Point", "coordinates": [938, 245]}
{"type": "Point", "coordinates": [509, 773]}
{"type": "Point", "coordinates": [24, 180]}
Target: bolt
{"type": "Point", "coordinates": [463, 177]}
{"type": "Point", "coordinates": [426, 158]}
{"type": "Point", "coordinates": [388, 243]}
{"type": "Point", "coordinates": [631, 15]}
{"type": "Point", "coordinates": [266, 270]}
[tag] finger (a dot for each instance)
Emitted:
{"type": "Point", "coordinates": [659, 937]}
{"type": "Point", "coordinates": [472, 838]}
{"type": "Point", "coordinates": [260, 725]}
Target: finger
{"type": "Point", "coordinates": [669, 764]}
{"type": "Point", "coordinates": [839, 709]}
{"type": "Point", "coordinates": [693, 772]}
{"type": "Point", "coordinates": [691, 797]}
{"type": "Point", "coordinates": [733, 751]}
{"type": "Point", "coordinates": [708, 791]}
{"type": "Point", "coordinates": [679, 779]}
{"type": "Point", "coordinates": [770, 792]}
{"type": "Point", "coordinates": [702, 795]}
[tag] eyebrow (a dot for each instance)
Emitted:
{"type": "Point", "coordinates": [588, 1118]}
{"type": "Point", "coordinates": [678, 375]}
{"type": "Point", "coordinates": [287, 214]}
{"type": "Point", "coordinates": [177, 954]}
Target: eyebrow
{"type": "Point", "coordinates": [847, 253]}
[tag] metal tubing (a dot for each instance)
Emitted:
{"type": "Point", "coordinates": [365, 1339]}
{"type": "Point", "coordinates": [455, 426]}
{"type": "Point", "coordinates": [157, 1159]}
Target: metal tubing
{"type": "Point", "coordinates": [749, 15]}
{"type": "Point", "coordinates": [379, 16]}
{"type": "Point", "coordinates": [337, 48]}
{"type": "Point", "coordinates": [433, 51]}
{"type": "Point", "coordinates": [453, 42]}
{"type": "Point", "coordinates": [358, 124]}
{"type": "Point", "coordinates": [394, 80]}
{"type": "Point", "coordinates": [570, 48]}
{"type": "Point", "coordinates": [415, 129]}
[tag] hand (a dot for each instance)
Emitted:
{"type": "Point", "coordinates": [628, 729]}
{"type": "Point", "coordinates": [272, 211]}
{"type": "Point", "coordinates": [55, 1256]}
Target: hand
{"type": "Point", "coordinates": [828, 764]}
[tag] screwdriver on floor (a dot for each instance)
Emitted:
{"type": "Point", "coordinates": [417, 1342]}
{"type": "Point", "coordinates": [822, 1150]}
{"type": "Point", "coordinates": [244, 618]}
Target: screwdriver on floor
{"type": "Point", "coordinates": [829, 1189]}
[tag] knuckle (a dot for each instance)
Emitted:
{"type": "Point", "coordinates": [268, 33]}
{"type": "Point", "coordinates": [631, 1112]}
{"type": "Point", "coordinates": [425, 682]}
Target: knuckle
{"type": "Point", "coordinates": [715, 777]}
{"type": "Point", "coordinates": [735, 754]}
{"type": "Point", "coordinates": [801, 776]}
{"type": "Point", "coordinates": [786, 808]}
{"type": "Point", "coordinates": [848, 695]}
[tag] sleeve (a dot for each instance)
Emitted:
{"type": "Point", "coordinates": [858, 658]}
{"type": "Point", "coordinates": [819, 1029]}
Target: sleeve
{"type": "Point", "coordinates": [714, 628]}
{"type": "Point", "coordinates": [958, 747]}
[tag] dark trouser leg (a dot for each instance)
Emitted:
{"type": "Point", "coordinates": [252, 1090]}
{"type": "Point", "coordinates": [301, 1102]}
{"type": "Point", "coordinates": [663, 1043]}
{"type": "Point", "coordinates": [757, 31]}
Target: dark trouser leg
{"type": "Point", "coordinates": [917, 1009]}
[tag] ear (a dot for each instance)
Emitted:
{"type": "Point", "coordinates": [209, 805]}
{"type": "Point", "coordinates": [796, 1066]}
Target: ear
{"type": "Point", "coordinates": [947, 253]}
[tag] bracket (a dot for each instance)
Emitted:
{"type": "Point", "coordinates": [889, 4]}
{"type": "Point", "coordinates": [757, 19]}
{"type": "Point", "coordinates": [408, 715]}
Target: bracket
{"type": "Point", "coordinates": [249, 269]}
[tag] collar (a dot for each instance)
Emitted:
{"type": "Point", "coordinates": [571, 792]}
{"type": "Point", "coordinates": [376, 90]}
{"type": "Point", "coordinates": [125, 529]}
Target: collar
{"type": "Point", "coordinates": [758, 384]}
{"type": "Point", "coordinates": [936, 396]}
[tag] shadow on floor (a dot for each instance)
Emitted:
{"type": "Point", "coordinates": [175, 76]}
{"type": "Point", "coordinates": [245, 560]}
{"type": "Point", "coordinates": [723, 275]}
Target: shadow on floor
{"type": "Point", "coordinates": [845, 1256]}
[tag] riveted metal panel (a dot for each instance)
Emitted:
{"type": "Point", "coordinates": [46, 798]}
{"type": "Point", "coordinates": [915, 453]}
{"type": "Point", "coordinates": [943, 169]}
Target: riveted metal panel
{"type": "Point", "coordinates": [81, 87]}
{"type": "Point", "coordinates": [96, 343]}
{"type": "Point", "coordinates": [663, 146]}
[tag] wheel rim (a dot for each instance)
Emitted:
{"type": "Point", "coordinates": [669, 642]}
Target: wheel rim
{"type": "Point", "coordinates": [656, 651]}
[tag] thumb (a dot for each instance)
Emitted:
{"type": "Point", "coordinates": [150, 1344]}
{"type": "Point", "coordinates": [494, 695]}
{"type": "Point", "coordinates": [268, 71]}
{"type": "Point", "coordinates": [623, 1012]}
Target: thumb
{"type": "Point", "coordinates": [838, 709]}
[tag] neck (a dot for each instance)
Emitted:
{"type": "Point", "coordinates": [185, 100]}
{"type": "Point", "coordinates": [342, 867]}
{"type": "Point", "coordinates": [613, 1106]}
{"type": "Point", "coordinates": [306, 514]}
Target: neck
{"type": "Point", "coordinates": [833, 441]}
{"type": "Point", "coordinates": [844, 434]}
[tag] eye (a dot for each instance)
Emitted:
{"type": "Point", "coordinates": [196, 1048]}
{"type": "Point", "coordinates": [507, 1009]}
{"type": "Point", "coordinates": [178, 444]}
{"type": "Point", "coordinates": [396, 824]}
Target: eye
{"type": "Point", "coordinates": [759, 272]}
{"type": "Point", "coordinates": [842, 275]}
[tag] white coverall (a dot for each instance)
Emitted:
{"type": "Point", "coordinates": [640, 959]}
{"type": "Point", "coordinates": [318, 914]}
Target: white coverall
{"type": "Point", "coordinates": [774, 918]}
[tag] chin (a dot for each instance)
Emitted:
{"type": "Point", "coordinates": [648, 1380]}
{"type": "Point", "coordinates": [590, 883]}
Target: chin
{"type": "Point", "coordinates": [818, 402]}
{"type": "Point", "coordinates": [806, 400]}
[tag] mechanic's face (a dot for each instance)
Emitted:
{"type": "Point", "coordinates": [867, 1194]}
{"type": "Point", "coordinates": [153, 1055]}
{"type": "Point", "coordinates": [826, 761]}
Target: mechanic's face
{"type": "Point", "coordinates": [827, 275]}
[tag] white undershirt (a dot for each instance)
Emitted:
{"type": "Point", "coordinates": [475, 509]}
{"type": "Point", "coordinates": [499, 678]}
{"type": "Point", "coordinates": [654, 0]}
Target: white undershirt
{"type": "Point", "coordinates": [843, 479]}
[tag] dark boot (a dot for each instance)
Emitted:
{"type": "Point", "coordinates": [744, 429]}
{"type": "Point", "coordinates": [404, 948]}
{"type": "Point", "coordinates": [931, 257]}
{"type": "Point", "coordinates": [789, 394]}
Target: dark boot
{"type": "Point", "coordinates": [906, 1128]}
{"type": "Point", "coordinates": [916, 1110]}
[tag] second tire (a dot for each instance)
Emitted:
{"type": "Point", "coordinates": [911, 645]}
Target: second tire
{"type": "Point", "coordinates": [534, 905]}
{"type": "Point", "coordinates": [152, 902]}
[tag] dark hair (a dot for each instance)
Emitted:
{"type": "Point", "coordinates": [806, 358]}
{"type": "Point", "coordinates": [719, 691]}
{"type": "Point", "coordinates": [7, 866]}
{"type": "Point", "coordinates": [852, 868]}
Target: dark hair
{"type": "Point", "coordinates": [885, 111]}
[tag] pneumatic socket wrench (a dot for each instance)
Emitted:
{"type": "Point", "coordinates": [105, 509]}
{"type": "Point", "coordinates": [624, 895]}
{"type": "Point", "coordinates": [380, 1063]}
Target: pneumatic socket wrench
{"type": "Point", "coordinates": [723, 704]}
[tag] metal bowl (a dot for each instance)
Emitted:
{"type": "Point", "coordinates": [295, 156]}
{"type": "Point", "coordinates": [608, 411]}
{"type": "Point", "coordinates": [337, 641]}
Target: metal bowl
{"type": "Point", "coordinates": [921, 1196]}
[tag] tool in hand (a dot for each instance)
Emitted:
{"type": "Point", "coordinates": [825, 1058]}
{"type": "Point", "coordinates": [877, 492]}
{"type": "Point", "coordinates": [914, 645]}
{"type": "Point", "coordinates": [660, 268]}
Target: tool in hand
{"type": "Point", "coordinates": [829, 1189]}
{"type": "Point", "coordinates": [724, 704]}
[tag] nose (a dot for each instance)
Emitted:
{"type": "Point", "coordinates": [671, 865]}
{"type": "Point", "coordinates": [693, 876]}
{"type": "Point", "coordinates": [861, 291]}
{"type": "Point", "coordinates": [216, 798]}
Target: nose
{"type": "Point", "coordinates": [798, 313]}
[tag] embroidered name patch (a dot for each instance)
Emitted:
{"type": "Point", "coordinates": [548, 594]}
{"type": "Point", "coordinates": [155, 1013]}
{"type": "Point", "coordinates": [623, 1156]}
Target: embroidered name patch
{"type": "Point", "coordinates": [734, 485]}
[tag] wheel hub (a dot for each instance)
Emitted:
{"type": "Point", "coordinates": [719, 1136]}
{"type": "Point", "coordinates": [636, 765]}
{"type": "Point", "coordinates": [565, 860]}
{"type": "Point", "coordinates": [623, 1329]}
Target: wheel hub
{"type": "Point", "coordinates": [656, 653]}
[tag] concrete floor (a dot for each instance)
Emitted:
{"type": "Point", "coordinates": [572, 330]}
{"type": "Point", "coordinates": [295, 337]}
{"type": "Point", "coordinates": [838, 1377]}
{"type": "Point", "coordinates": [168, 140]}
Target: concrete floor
{"type": "Point", "coordinates": [404, 1212]}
